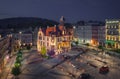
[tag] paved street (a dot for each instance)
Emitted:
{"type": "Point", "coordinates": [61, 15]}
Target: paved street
{"type": "Point", "coordinates": [36, 67]}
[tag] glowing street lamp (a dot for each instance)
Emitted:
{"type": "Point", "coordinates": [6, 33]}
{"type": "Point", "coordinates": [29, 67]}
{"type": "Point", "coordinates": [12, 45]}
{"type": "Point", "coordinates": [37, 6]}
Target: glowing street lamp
{"type": "Point", "coordinates": [20, 37]}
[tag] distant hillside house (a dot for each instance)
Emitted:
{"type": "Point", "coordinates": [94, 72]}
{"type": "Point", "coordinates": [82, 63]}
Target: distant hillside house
{"type": "Point", "coordinates": [56, 38]}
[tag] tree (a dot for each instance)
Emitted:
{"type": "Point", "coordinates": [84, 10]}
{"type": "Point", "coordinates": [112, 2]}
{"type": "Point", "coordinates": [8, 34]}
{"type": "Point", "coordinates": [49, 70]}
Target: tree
{"type": "Point", "coordinates": [28, 47]}
{"type": "Point", "coordinates": [16, 71]}
{"type": "Point", "coordinates": [76, 42]}
{"type": "Point", "coordinates": [87, 44]}
{"type": "Point", "coordinates": [43, 51]}
{"type": "Point", "coordinates": [100, 47]}
{"type": "Point", "coordinates": [110, 45]}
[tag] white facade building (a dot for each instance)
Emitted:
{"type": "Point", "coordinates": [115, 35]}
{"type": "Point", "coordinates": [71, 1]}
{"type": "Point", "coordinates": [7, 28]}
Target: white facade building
{"type": "Point", "coordinates": [84, 33]}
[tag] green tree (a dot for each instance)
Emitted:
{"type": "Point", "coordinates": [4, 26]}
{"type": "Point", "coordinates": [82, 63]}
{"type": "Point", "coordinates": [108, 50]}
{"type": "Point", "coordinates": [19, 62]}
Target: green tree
{"type": "Point", "coordinates": [76, 42]}
{"type": "Point", "coordinates": [100, 47]}
{"type": "Point", "coordinates": [87, 44]}
{"type": "Point", "coordinates": [43, 51]}
{"type": "Point", "coordinates": [28, 47]}
{"type": "Point", "coordinates": [16, 71]}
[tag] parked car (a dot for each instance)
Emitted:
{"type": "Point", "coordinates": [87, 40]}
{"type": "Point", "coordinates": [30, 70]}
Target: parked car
{"type": "Point", "coordinates": [84, 76]}
{"type": "Point", "coordinates": [66, 56]}
{"type": "Point", "coordinates": [104, 70]}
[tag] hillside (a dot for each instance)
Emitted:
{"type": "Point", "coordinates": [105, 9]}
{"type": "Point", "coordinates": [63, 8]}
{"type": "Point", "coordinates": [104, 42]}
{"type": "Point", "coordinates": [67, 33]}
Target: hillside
{"type": "Point", "coordinates": [25, 22]}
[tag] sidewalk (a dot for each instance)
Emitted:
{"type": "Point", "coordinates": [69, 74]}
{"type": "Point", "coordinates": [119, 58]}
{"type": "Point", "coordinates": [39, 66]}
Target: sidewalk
{"type": "Point", "coordinates": [7, 70]}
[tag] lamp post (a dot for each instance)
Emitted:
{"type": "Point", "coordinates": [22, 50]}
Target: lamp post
{"type": "Point", "coordinates": [20, 37]}
{"type": "Point", "coordinates": [33, 40]}
{"type": "Point", "coordinates": [74, 32]}
{"type": "Point", "coordinates": [74, 27]}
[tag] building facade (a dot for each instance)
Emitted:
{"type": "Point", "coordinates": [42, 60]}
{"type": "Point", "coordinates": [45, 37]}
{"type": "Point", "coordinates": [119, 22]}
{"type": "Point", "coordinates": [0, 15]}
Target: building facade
{"type": "Point", "coordinates": [24, 38]}
{"type": "Point", "coordinates": [113, 33]}
{"type": "Point", "coordinates": [94, 35]}
{"type": "Point", "coordinates": [56, 38]}
{"type": "Point", "coordinates": [84, 33]}
{"type": "Point", "coordinates": [98, 35]}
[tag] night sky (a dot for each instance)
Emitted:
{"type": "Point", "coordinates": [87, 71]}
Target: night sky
{"type": "Point", "coordinates": [72, 10]}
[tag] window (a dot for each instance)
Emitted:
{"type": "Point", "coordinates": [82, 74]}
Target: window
{"type": "Point", "coordinates": [43, 38]}
{"type": "Point", "coordinates": [47, 39]}
{"type": "Point", "coordinates": [114, 38]}
{"type": "Point", "coordinates": [58, 39]}
{"type": "Point", "coordinates": [47, 44]}
{"type": "Point", "coordinates": [117, 38]}
{"type": "Point", "coordinates": [40, 42]}
{"type": "Point", "coordinates": [40, 38]}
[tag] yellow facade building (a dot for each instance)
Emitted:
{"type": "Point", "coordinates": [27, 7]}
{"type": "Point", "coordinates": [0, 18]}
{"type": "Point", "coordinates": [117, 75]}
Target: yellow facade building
{"type": "Point", "coordinates": [113, 34]}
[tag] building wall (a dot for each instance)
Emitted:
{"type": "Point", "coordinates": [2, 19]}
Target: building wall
{"type": "Point", "coordinates": [23, 38]}
{"type": "Point", "coordinates": [113, 33]}
{"type": "Point", "coordinates": [101, 35]}
{"type": "Point", "coordinates": [53, 42]}
{"type": "Point", "coordinates": [84, 33]}
{"type": "Point", "coordinates": [98, 35]}
{"type": "Point", "coordinates": [94, 35]}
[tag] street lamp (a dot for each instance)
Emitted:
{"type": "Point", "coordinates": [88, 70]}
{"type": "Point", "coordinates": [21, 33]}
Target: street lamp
{"type": "Point", "coordinates": [20, 37]}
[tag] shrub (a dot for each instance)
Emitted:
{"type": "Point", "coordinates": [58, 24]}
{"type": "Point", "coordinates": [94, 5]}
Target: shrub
{"type": "Point", "coordinates": [16, 71]}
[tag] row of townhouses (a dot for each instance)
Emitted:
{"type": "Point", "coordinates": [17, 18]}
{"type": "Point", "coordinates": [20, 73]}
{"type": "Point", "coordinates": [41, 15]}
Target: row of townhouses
{"type": "Point", "coordinates": [94, 35]}
{"type": "Point", "coordinates": [112, 33]}
{"type": "Point", "coordinates": [107, 35]}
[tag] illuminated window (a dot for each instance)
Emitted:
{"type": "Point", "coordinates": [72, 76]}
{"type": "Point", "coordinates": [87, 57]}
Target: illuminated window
{"type": "Point", "coordinates": [108, 38]}
{"type": "Point", "coordinates": [43, 38]}
{"type": "Point", "coordinates": [58, 39]}
{"type": "Point", "coordinates": [111, 26]}
{"type": "Point", "coordinates": [117, 38]}
{"type": "Point", "coordinates": [63, 32]}
{"type": "Point", "coordinates": [40, 38]}
{"type": "Point", "coordinates": [47, 39]}
{"type": "Point", "coordinates": [114, 38]}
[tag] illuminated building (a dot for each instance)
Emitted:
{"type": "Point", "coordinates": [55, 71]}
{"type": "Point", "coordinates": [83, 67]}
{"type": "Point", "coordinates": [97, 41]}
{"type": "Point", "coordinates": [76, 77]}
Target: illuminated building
{"type": "Point", "coordinates": [94, 35]}
{"type": "Point", "coordinates": [98, 35]}
{"type": "Point", "coordinates": [56, 38]}
{"type": "Point", "coordinates": [84, 33]}
{"type": "Point", "coordinates": [113, 33]}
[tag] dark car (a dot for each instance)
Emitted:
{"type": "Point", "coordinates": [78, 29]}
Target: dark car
{"type": "Point", "coordinates": [84, 76]}
{"type": "Point", "coordinates": [66, 56]}
{"type": "Point", "coordinates": [104, 69]}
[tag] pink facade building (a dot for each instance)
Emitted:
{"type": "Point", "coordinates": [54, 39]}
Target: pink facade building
{"type": "Point", "coordinates": [98, 35]}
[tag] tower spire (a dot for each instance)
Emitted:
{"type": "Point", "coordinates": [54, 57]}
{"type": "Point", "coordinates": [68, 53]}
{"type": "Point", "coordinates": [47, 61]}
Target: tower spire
{"type": "Point", "coordinates": [62, 20]}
